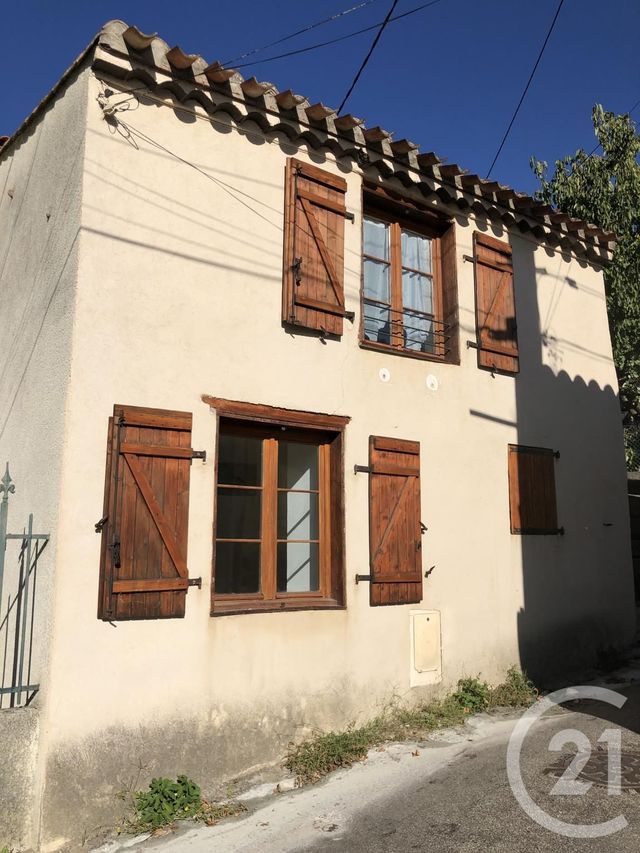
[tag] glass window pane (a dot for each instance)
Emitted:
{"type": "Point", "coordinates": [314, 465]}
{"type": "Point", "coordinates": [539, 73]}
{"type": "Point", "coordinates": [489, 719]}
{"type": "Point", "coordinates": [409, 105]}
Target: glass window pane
{"type": "Point", "coordinates": [377, 326]}
{"type": "Point", "coordinates": [416, 251]}
{"type": "Point", "coordinates": [417, 292]}
{"type": "Point", "coordinates": [376, 280]}
{"type": "Point", "coordinates": [376, 238]}
{"type": "Point", "coordinates": [297, 515]}
{"type": "Point", "coordinates": [239, 460]}
{"type": "Point", "coordinates": [238, 513]}
{"type": "Point", "coordinates": [297, 465]}
{"type": "Point", "coordinates": [298, 567]}
{"type": "Point", "coordinates": [419, 332]}
{"type": "Point", "coordinates": [237, 567]}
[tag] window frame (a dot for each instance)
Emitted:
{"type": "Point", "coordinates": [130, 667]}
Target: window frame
{"type": "Point", "coordinates": [325, 431]}
{"type": "Point", "coordinates": [402, 214]}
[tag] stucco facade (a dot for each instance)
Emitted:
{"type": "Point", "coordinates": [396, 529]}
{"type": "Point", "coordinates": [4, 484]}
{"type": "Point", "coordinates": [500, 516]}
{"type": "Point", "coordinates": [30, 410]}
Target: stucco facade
{"type": "Point", "coordinates": [174, 293]}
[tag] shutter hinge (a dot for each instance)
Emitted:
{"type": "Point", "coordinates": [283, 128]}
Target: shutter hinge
{"type": "Point", "coordinates": [199, 454]}
{"type": "Point", "coordinates": [195, 582]}
{"type": "Point", "coordinates": [295, 266]}
{"type": "Point", "coordinates": [429, 570]}
{"type": "Point", "coordinates": [350, 216]}
{"type": "Point", "coordinates": [469, 258]}
{"type": "Point", "coordinates": [423, 528]}
{"type": "Point", "coordinates": [363, 578]}
{"type": "Point", "coordinates": [557, 454]}
{"type": "Point", "coordinates": [361, 469]}
{"type": "Point", "coordinates": [350, 316]}
{"type": "Point", "coordinates": [100, 524]}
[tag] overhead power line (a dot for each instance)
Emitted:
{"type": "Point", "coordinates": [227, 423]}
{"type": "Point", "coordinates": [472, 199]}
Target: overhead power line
{"type": "Point", "coordinates": [368, 56]}
{"type": "Point", "coordinates": [339, 38]}
{"type": "Point", "coordinates": [526, 89]}
{"type": "Point", "coordinates": [300, 32]}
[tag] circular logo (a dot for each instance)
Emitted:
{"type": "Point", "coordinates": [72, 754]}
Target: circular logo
{"type": "Point", "coordinates": [514, 771]}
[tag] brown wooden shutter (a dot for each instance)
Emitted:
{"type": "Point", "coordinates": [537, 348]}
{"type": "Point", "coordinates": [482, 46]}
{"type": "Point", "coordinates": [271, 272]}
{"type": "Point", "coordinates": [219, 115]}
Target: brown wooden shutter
{"type": "Point", "coordinates": [497, 336]}
{"type": "Point", "coordinates": [532, 490]}
{"type": "Point", "coordinates": [450, 295]}
{"type": "Point", "coordinates": [313, 292]}
{"type": "Point", "coordinates": [395, 538]}
{"type": "Point", "coordinates": [143, 569]}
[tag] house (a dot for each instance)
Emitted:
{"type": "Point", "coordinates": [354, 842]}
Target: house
{"type": "Point", "coordinates": [375, 393]}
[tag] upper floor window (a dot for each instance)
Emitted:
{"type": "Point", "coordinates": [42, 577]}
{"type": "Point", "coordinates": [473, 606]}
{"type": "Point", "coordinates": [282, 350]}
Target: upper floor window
{"type": "Point", "coordinates": [409, 291]}
{"type": "Point", "coordinates": [399, 297]}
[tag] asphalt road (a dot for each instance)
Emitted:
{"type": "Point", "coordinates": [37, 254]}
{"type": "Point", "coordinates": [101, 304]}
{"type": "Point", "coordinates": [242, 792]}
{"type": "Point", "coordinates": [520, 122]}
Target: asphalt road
{"type": "Point", "coordinates": [469, 806]}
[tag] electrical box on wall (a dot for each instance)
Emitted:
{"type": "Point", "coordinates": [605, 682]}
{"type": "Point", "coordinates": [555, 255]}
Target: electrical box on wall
{"type": "Point", "coordinates": [426, 647]}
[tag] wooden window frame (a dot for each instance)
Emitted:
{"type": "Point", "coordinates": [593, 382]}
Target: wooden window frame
{"type": "Point", "coordinates": [514, 509]}
{"type": "Point", "coordinates": [399, 214]}
{"type": "Point", "coordinates": [327, 431]}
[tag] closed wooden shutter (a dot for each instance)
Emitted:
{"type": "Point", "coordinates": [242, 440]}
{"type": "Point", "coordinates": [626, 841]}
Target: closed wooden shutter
{"type": "Point", "coordinates": [395, 538]}
{"type": "Point", "coordinates": [143, 571]}
{"type": "Point", "coordinates": [313, 292]}
{"type": "Point", "coordinates": [532, 490]}
{"type": "Point", "coordinates": [497, 336]}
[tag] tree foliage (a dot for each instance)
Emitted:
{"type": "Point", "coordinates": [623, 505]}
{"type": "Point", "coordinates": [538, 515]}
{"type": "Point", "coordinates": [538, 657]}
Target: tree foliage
{"type": "Point", "coordinates": [605, 190]}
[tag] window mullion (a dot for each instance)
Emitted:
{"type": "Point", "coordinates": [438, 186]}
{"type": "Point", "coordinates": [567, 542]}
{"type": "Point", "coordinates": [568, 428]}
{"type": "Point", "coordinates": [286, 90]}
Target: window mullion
{"type": "Point", "coordinates": [397, 339]}
{"type": "Point", "coordinates": [269, 518]}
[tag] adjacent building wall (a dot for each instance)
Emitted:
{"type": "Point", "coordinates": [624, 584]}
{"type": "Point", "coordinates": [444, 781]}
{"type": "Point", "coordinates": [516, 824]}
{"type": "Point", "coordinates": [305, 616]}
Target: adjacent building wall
{"type": "Point", "coordinates": [40, 188]}
{"type": "Point", "coordinates": [179, 295]}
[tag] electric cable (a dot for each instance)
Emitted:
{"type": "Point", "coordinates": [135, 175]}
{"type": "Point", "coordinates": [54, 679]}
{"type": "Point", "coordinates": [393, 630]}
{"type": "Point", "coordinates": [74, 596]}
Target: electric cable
{"type": "Point", "coordinates": [365, 61]}
{"type": "Point", "coordinates": [526, 89]}
{"type": "Point", "coordinates": [339, 38]}
{"type": "Point", "coordinates": [306, 29]}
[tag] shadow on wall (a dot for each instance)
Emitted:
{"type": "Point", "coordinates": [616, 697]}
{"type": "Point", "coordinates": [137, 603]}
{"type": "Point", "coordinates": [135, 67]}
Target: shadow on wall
{"type": "Point", "coordinates": [578, 599]}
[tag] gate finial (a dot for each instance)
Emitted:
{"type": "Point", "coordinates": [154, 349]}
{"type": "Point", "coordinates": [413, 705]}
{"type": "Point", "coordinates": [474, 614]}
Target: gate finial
{"type": "Point", "coordinates": [6, 484]}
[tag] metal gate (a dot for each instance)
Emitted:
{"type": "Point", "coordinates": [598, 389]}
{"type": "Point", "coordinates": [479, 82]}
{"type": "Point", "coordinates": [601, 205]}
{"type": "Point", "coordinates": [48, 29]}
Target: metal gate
{"type": "Point", "coordinates": [18, 609]}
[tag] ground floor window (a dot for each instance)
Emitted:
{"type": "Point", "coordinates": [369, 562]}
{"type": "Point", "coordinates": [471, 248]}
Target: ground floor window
{"type": "Point", "coordinates": [278, 537]}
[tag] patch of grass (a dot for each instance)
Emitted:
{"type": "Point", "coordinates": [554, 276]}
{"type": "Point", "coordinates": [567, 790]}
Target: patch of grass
{"type": "Point", "coordinates": [314, 758]}
{"type": "Point", "coordinates": [517, 691]}
{"type": "Point", "coordinates": [166, 802]}
{"type": "Point", "coordinates": [211, 813]}
{"type": "Point", "coordinates": [472, 695]}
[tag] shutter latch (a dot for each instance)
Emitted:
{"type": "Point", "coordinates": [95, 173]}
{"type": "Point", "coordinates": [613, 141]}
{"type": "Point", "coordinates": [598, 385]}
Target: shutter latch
{"type": "Point", "coordinates": [100, 524]}
{"type": "Point", "coordinates": [363, 578]}
{"type": "Point", "coordinates": [195, 582]}
{"type": "Point", "coordinates": [199, 454]}
{"type": "Point", "coordinates": [115, 552]}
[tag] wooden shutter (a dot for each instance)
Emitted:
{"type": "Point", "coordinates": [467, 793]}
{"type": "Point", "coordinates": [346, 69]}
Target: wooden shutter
{"type": "Point", "coordinates": [497, 336]}
{"type": "Point", "coordinates": [143, 570]}
{"type": "Point", "coordinates": [313, 292]}
{"type": "Point", "coordinates": [395, 538]}
{"type": "Point", "coordinates": [532, 490]}
{"type": "Point", "coordinates": [450, 295]}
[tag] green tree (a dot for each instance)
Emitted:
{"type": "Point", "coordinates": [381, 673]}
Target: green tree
{"type": "Point", "coordinates": [605, 190]}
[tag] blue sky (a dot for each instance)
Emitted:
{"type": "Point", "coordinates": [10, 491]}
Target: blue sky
{"type": "Point", "coordinates": [447, 78]}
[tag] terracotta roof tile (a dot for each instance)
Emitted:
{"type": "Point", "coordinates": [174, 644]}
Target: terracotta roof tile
{"type": "Point", "coordinates": [124, 52]}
